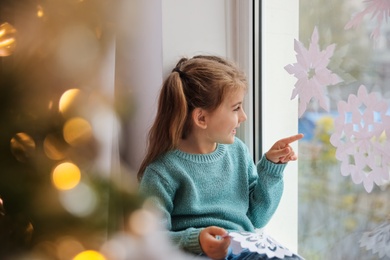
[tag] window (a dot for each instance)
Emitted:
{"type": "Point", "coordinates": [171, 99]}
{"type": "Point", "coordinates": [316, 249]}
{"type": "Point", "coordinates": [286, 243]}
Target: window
{"type": "Point", "coordinates": [344, 159]}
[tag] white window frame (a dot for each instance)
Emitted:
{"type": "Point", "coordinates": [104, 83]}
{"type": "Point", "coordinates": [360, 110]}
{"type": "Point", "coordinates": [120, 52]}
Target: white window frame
{"type": "Point", "coordinates": [280, 26]}
{"type": "Point", "coordinates": [239, 30]}
{"type": "Point", "coordinates": [262, 52]}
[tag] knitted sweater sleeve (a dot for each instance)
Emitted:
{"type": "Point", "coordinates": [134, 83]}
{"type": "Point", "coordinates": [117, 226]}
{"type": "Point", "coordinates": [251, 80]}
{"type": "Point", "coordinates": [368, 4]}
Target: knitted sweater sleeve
{"type": "Point", "coordinates": [266, 189]}
{"type": "Point", "coordinates": [161, 190]}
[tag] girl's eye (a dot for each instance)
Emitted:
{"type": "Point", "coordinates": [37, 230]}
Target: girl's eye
{"type": "Point", "coordinates": [237, 108]}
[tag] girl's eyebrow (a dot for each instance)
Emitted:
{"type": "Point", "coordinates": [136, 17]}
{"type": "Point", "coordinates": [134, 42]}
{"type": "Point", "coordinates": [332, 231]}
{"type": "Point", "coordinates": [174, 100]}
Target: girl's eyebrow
{"type": "Point", "coordinates": [238, 103]}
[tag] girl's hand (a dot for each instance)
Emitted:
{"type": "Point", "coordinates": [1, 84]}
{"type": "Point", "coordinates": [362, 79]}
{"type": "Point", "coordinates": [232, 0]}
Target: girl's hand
{"type": "Point", "coordinates": [281, 151]}
{"type": "Point", "coordinates": [214, 242]}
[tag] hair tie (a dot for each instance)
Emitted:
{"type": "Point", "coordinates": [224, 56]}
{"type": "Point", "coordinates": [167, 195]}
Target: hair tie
{"type": "Point", "coordinates": [181, 73]}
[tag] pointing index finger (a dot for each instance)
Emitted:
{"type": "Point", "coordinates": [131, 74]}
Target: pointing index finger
{"type": "Point", "coordinates": [292, 138]}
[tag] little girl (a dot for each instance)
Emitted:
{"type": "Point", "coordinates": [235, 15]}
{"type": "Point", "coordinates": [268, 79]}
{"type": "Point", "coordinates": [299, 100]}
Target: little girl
{"type": "Point", "coordinates": [201, 176]}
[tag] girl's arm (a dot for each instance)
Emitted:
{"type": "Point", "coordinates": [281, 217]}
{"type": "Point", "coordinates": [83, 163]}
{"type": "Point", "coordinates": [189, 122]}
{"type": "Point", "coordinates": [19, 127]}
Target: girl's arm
{"type": "Point", "coordinates": [266, 189]}
{"type": "Point", "coordinates": [160, 192]}
{"type": "Point", "coordinates": [266, 180]}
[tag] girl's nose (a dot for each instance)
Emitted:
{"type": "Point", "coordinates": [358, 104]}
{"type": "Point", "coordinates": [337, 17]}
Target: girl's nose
{"type": "Point", "coordinates": [243, 116]}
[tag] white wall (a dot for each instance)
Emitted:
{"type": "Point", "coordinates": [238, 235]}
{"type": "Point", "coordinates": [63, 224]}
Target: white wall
{"type": "Point", "coordinates": [192, 27]}
{"type": "Point", "coordinates": [139, 70]}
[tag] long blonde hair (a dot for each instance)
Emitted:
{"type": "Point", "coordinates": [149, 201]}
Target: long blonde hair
{"type": "Point", "coordinates": [199, 82]}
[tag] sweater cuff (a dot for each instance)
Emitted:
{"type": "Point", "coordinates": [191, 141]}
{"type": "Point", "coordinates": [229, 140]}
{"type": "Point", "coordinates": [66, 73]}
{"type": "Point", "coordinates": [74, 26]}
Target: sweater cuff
{"type": "Point", "coordinates": [270, 167]}
{"type": "Point", "coordinates": [192, 243]}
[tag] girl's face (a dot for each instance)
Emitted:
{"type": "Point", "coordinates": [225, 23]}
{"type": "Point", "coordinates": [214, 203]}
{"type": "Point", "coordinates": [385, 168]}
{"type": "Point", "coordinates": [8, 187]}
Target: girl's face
{"type": "Point", "coordinates": [222, 123]}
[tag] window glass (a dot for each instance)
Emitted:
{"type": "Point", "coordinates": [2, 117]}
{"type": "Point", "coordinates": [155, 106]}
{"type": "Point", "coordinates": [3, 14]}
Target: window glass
{"type": "Point", "coordinates": [343, 55]}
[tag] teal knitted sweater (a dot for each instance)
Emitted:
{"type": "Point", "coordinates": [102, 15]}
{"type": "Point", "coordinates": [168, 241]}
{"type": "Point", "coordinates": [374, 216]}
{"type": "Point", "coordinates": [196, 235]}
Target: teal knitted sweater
{"type": "Point", "coordinates": [224, 188]}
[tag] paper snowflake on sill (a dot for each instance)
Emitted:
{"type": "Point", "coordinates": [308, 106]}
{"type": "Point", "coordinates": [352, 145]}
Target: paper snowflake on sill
{"type": "Point", "coordinates": [259, 242]}
{"type": "Point", "coordinates": [312, 73]}
{"type": "Point", "coordinates": [378, 240]}
{"type": "Point", "coordinates": [361, 138]}
{"type": "Point", "coordinates": [378, 8]}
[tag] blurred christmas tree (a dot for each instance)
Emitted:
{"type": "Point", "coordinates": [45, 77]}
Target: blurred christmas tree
{"type": "Point", "coordinates": [55, 199]}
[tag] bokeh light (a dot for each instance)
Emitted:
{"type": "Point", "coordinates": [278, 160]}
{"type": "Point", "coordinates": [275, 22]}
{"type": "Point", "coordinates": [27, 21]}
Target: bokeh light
{"type": "Point", "coordinates": [120, 247]}
{"type": "Point", "coordinates": [40, 12]}
{"type": "Point", "coordinates": [22, 146]}
{"type": "Point", "coordinates": [77, 131]}
{"type": "Point", "coordinates": [68, 247]}
{"type": "Point", "coordinates": [142, 222]}
{"type": "Point", "coordinates": [67, 99]}
{"type": "Point", "coordinates": [66, 176]}
{"type": "Point", "coordinates": [80, 201]}
{"type": "Point", "coordinates": [7, 39]}
{"type": "Point", "coordinates": [54, 147]}
{"type": "Point", "coordinates": [89, 255]}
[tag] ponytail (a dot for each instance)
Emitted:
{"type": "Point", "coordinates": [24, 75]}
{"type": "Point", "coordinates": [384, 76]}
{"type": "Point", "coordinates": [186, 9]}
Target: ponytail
{"type": "Point", "coordinates": [168, 126]}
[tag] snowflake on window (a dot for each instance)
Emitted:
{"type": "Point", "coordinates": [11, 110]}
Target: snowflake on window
{"type": "Point", "coordinates": [378, 8]}
{"type": "Point", "coordinates": [360, 136]}
{"type": "Point", "coordinates": [378, 240]}
{"type": "Point", "coordinates": [312, 73]}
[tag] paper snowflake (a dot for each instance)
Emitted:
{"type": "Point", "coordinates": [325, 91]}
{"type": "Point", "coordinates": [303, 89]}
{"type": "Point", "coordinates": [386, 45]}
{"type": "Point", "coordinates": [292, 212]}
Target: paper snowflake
{"type": "Point", "coordinates": [361, 132]}
{"type": "Point", "coordinates": [260, 243]}
{"type": "Point", "coordinates": [378, 240]}
{"type": "Point", "coordinates": [378, 8]}
{"type": "Point", "coordinates": [312, 73]}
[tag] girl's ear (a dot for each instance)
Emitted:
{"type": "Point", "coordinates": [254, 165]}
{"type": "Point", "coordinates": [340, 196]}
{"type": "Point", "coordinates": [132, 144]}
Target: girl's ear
{"type": "Point", "coordinates": [199, 118]}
